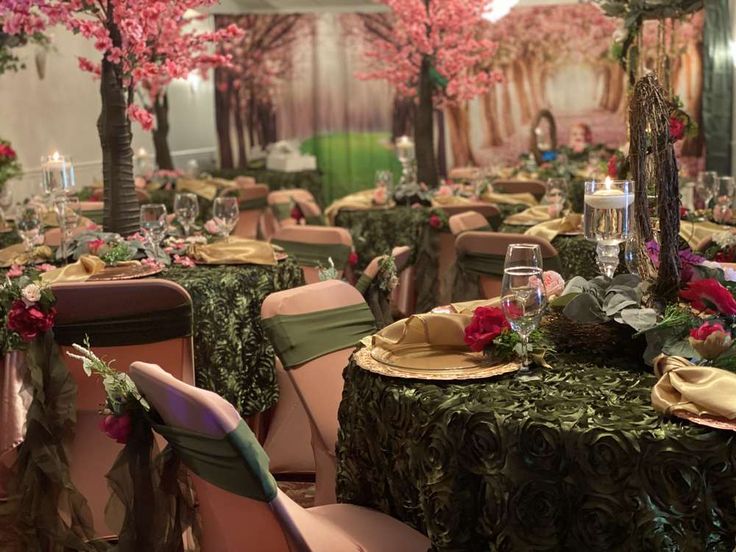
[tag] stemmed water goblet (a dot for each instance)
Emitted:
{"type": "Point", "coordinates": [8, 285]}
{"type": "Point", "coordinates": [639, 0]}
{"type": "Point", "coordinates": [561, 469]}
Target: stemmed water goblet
{"type": "Point", "coordinates": [226, 213]}
{"type": "Point", "coordinates": [29, 223]}
{"type": "Point", "coordinates": [706, 186]}
{"type": "Point", "coordinates": [68, 211]}
{"type": "Point", "coordinates": [153, 224]}
{"type": "Point", "coordinates": [186, 208]}
{"type": "Point", "coordinates": [556, 193]}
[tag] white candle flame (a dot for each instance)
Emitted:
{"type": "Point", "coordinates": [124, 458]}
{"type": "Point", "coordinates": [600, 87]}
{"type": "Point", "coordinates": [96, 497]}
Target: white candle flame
{"type": "Point", "coordinates": [55, 156]}
{"type": "Point", "coordinates": [608, 183]}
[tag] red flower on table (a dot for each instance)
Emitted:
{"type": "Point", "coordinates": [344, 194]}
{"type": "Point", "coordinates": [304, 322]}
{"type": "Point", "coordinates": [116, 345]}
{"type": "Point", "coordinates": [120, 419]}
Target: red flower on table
{"type": "Point", "coordinates": [683, 211]}
{"type": "Point", "coordinates": [117, 427]}
{"type": "Point", "coordinates": [7, 153]}
{"type": "Point", "coordinates": [183, 260]}
{"type": "Point", "coordinates": [677, 129]}
{"type": "Point", "coordinates": [710, 294]}
{"type": "Point", "coordinates": [296, 213]}
{"type": "Point", "coordinates": [435, 221]}
{"type": "Point", "coordinates": [29, 321]}
{"type": "Point", "coordinates": [353, 258]}
{"type": "Point", "coordinates": [15, 271]}
{"type": "Point", "coordinates": [701, 333]}
{"type": "Point", "coordinates": [487, 324]}
{"type": "Point", "coordinates": [95, 245]}
{"type": "Point", "coordinates": [613, 166]}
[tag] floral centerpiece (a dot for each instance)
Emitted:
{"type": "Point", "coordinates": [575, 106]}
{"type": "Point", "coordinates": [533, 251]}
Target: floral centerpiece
{"type": "Point", "coordinates": [9, 165]}
{"type": "Point", "coordinates": [27, 309]}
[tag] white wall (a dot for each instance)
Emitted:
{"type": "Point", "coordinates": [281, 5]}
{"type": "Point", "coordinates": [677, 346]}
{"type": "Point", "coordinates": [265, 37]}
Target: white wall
{"type": "Point", "coordinates": [60, 113]}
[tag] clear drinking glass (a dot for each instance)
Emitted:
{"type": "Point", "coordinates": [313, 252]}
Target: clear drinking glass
{"type": "Point", "coordinates": [68, 211]}
{"type": "Point", "coordinates": [6, 203]}
{"type": "Point", "coordinates": [226, 212]}
{"type": "Point", "coordinates": [722, 210]}
{"type": "Point", "coordinates": [186, 208]}
{"type": "Point", "coordinates": [28, 224]}
{"type": "Point", "coordinates": [706, 186]}
{"type": "Point", "coordinates": [527, 255]}
{"type": "Point", "coordinates": [523, 300]}
{"type": "Point", "coordinates": [153, 222]}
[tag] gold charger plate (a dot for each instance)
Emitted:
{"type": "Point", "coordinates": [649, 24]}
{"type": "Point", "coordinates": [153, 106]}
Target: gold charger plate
{"type": "Point", "coordinates": [526, 223]}
{"type": "Point", "coordinates": [572, 233]}
{"type": "Point", "coordinates": [707, 421]}
{"type": "Point", "coordinates": [412, 365]}
{"type": "Point", "coordinates": [128, 272]}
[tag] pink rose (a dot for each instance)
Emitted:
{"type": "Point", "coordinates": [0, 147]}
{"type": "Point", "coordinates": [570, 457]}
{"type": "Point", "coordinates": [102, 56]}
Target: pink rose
{"type": "Point", "coordinates": [444, 191]}
{"type": "Point", "coordinates": [380, 196]}
{"type": "Point", "coordinates": [212, 227]}
{"type": "Point", "coordinates": [554, 283]}
{"type": "Point", "coordinates": [710, 340]}
{"type": "Point", "coordinates": [94, 246]}
{"type": "Point", "coordinates": [705, 330]}
{"type": "Point", "coordinates": [677, 129]}
{"type": "Point", "coordinates": [45, 267]}
{"type": "Point", "coordinates": [15, 271]}
{"type": "Point", "coordinates": [183, 260]}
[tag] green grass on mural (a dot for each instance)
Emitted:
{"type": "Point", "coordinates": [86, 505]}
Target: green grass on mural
{"type": "Point", "coordinates": [350, 160]}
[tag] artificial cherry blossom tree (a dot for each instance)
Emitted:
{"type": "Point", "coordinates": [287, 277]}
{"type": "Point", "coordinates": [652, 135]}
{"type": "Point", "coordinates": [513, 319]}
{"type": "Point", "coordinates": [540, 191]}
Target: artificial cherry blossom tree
{"type": "Point", "coordinates": [130, 35]}
{"type": "Point", "coordinates": [434, 56]}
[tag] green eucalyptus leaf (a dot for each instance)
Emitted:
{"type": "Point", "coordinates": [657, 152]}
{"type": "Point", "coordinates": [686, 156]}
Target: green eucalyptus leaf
{"type": "Point", "coordinates": [585, 310]}
{"type": "Point", "coordinates": [639, 319]}
{"type": "Point", "coordinates": [562, 301]}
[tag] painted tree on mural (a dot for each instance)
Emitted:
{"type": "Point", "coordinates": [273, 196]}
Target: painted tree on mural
{"type": "Point", "coordinates": [127, 33]}
{"type": "Point", "coordinates": [246, 88]}
{"type": "Point", "coordinates": [192, 51]}
{"type": "Point", "coordinates": [433, 56]}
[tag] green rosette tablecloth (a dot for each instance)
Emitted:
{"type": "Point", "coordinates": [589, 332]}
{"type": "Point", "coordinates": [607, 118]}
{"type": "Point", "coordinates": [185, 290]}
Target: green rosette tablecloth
{"type": "Point", "coordinates": [576, 461]}
{"type": "Point", "coordinates": [577, 255]}
{"type": "Point", "coordinates": [232, 355]}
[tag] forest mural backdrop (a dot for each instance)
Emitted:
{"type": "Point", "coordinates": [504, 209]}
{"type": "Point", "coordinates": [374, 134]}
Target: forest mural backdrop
{"type": "Point", "coordinates": [300, 77]}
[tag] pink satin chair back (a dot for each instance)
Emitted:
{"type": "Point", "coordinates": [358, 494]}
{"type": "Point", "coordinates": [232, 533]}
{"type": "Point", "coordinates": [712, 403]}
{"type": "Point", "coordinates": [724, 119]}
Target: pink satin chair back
{"type": "Point", "coordinates": [316, 235]}
{"type": "Point", "coordinates": [496, 243]}
{"type": "Point", "coordinates": [319, 381]}
{"type": "Point", "coordinates": [250, 219]}
{"type": "Point", "coordinates": [245, 181]}
{"type": "Point", "coordinates": [282, 198]}
{"type": "Point", "coordinates": [234, 523]}
{"type": "Point", "coordinates": [535, 187]}
{"type": "Point", "coordinates": [403, 297]}
{"type": "Point", "coordinates": [464, 222]}
{"type": "Point", "coordinates": [92, 452]}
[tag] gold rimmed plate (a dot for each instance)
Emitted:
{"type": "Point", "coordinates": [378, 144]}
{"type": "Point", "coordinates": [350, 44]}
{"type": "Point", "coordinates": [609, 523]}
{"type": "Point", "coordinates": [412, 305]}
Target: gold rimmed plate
{"type": "Point", "coordinates": [426, 363]}
{"type": "Point", "coordinates": [708, 421]}
{"type": "Point", "coordinates": [126, 272]}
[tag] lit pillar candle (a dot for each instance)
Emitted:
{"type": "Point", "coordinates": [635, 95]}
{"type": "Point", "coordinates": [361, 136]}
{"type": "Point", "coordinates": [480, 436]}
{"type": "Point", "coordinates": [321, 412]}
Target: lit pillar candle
{"type": "Point", "coordinates": [609, 197]}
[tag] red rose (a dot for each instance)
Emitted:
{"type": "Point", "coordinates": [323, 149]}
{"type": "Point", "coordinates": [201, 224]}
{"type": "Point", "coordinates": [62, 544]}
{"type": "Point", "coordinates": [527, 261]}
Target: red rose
{"type": "Point", "coordinates": [710, 294]}
{"type": "Point", "coordinates": [353, 258]}
{"type": "Point", "coordinates": [677, 129]}
{"type": "Point", "coordinates": [683, 211]}
{"type": "Point", "coordinates": [613, 166]}
{"type": "Point", "coordinates": [487, 324]}
{"type": "Point", "coordinates": [296, 213]}
{"type": "Point", "coordinates": [29, 322]}
{"type": "Point", "coordinates": [435, 221]}
{"type": "Point", "coordinates": [6, 152]}
{"type": "Point", "coordinates": [705, 330]}
{"type": "Point", "coordinates": [117, 427]}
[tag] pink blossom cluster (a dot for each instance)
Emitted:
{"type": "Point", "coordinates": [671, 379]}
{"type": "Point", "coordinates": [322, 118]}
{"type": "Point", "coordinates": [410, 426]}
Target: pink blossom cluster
{"type": "Point", "coordinates": [154, 45]}
{"type": "Point", "coordinates": [446, 32]}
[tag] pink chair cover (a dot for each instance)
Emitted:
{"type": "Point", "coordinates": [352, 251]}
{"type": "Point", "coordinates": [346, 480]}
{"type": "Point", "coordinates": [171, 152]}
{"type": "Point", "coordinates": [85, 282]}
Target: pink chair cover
{"type": "Point", "coordinates": [232, 523]}
{"type": "Point", "coordinates": [250, 219]}
{"type": "Point", "coordinates": [14, 403]}
{"type": "Point", "coordinates": [535, 187]}
{"type": "Point", "coordinates": [464, 222]}
{"type": "Point", "coordinates": [318, 382]}
{"type": "Point", "coordinates": [313, 234]}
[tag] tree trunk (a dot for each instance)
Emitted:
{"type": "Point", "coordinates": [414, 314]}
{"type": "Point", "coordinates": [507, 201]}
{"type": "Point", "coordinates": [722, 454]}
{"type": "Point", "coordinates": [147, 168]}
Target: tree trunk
{"type": "Point", "coordinates": [240, 131]}
{"type": "Point", "coordinates": [530, 69]}
{"type": "Point", "coordinates": [222, 121]}
{"type": "Point", "coordinates": [402, 115]}
{"type": "Point", "coordinates": [424, 129]}
{"type": "Point", "coordinates": [161, 132]}
{"type": "Point", "coordinates": [507, 111]}
{"type": "Point", "coordinates": [605, 73]}
{"type": "Point", "coordinates": [462, 154]}
{"type": "Point", "coordinates": [493, 130]}
{"type": "Point", "coordinates": [121, 210]}
{"type": "Point", "coordinates": [617, 88]}
{"type": "Point", "coordinates": [441, 144]}
{"type": "Point", "coordinates": [526, 112]}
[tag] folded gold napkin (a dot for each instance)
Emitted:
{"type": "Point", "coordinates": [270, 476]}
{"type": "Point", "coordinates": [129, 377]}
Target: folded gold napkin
{"type": "Point", "coordinates": [203, 188]}
{"type": "Point", "coordinates": [468, 307]}
{"type": "Point", "coordinates": [16, 255]}
{"type": "Point", "coordinates": [698, 390]}
{"type": "Point", "coordinates": [83, 269]}
{"type": "Point", "coordinates": [695, 232]}
{"type": "Point", "coordinates": [50, 219]}
{"type": "Point", "coordinates": [510, 199]}
{"type": "Point", "coordinates": [537, 214]}
{"type": "Point", "coordinates": [433, 330]}
{"type": "Point", "coordinates": [439, 201]}
{"type": "Point", "coordinates": [234, 251]}
{"type": "Point", "coordinates": [362, 200]}
{"type": "Point", "coordinates": [550, 229]}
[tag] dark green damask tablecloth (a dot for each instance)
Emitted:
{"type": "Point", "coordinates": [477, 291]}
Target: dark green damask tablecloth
{"type": "Point", "coordinates": [578, 461]}
{"type": "Point", "coordinates": [232, 355]}
{"type": "Point", "coordinates": [577, 254]}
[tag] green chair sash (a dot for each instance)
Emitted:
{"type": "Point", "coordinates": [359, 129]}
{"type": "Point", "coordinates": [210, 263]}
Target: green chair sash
{"type": "Point", "coordinates": [254, 204]}
{"type": "Point", "coordinates": [139, 329]}
{"type": "Point", "coordinates": [315, 220]}
{"type": "Point", "coordinates": [236, 463]}
{"type": "Point", "coordinates": [481, 264]}
{"type": "Point", "coordinates": [282, 211]}
{"type": "Point", "coordinates": [316, 254]}
{"type": "Point", "coordinates": [363, 283]}
{"type": "Point", "coordinates": [299, 338]}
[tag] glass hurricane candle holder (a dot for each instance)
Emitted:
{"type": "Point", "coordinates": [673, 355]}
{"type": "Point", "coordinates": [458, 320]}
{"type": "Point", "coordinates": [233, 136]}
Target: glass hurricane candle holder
{"type": "Point", "coordinates": [609, 207]}
{"type": "Point", "coordinates": [405, 154]}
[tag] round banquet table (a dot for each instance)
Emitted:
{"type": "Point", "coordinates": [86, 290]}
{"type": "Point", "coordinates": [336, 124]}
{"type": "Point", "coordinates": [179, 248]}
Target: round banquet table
{"type": "Point", "coordinates": [576, 461]}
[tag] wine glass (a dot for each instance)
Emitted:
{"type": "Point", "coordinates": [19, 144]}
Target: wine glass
{"type": "Point", "coordinates": [556, 190]}
{"type": "Point", "coordinates": [6, 203]}
{"type": "Point", "coordinates": [28, 224]}
{"type": "Point", "coordinates": [523, 300]}
{"type": "Point", "coordinates": [186, 207]}
{"type": "Point", "coordinates": [226, 212]}
{"type": "Point", "coordinates": [705, 186]}
{"type": "Point", "coordinates": [722, 210]}
{"type": "Point", "coordinates": [528, 255]}
{"type": "Point", "coordinates": [68, 210]}
{"type": "Point", "coordinates": [153, 223]}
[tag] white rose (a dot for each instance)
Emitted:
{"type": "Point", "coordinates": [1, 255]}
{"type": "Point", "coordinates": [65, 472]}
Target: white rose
{"type": "Point", "coordinates": [31, 293]}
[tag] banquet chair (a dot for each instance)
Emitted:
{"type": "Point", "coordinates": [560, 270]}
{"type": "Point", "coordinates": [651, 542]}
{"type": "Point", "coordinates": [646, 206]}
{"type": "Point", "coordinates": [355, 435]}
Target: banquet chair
{"type": "Point", "coordinates": [535, 187]}
{"type": "Point", "coordinates": [482, 254]}
{"type": "Point", "coordinates": [446, 254]}
{"type": "Point", "coordinates": [469, 220]}
{"type": "Point", "coordinates": [379, 300]}
{"type": "Point", "coordinates": [314, 330]}
{"type": "Point", "coordinates": [245, 181]}
{"type": "Point", "coordinates": [281, 202]}
{"type": "Point", "coordinates": [240, 506]}
{"type": "Point", "coordinates": [125, 321]}
{"type": "Point", "coordinates": [404, 295]}
{"type": "Point", "coordinates": [93, 210]}
{"type": "Point", "coordinates": [313, 246]}
{"type": "Point", "coordinates": [253, 203]}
